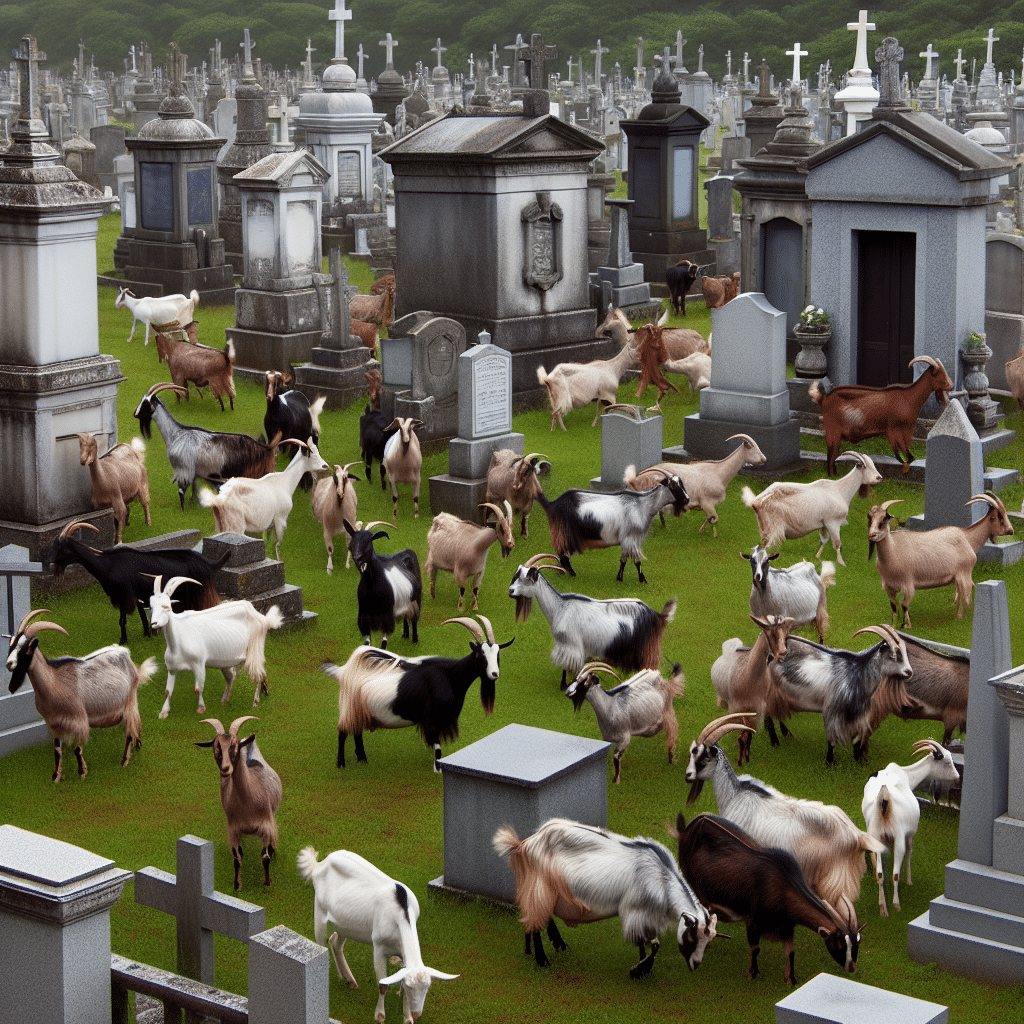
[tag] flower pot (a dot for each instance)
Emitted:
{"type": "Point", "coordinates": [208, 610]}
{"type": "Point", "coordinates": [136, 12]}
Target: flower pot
{"type": "Point", "coordinates": [811, 362]}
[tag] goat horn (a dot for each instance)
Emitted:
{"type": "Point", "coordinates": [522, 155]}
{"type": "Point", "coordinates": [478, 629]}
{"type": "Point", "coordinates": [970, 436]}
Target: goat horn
{"type": "Point", "coordinates": [295, 440]}
{"type": "Point", "coordinates": [380, 522]}
{"type": "Point", "coordinates": [488, 628]}
{"type": "Point", "coordinates": [490, 504]}
{"type": "Point", "coordinates": [349, 465]}
{"type": "Point", "coordinates": [30, 628]}
{"type": "Point", "coordinates": [508, 510]}
{"type": "Point", "coordinates": [534, 559]}
{"type": "Point", "coordinates": [746, 438]}
{"type": "Point", "coordinates": [990, 498]}
{"type": "Point", "coordinates": [887, 633]}
{"type": "Point", "coordinates": [81, 524]}
{"type": "Point", "coordinates": [924, 359]}
{"type": "Point", "coordinates": [833, 913]}
{"type": "Point", "coordinates": [233, 728]}
{"type": "Point", "coordinates": [165, 386]}
{"type": "Point", "coordinates": [215, 722]}
{"type": "Point", "coordinates": [633, 410]}
{"type": "Point", "coordinates": [927, 744]}
{"type": "Point", "coordinates": [471, 624]}
{"type": "Point", "coordinates": [715, 730]}
{"type": "Point", "coordinates": [597, 666]}
{"type": "Point", "coordinates": [892, 501]}
{"type": "Point", "coordinates": [534, 455]}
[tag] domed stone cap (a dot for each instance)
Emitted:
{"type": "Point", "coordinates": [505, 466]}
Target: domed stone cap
{"type": "Point", "coordinates": [665, 88]}
{"type": "Point", "coordinates": [390, 78]}
{"type": "Point", "coordinates": [176, 129]}
{"type": "Point", "coordinates": [985, 135]}
{"type": "Point", "coordinates": [176, 104]}
{"type": "Point", "coordinates": [339, 77]}
{"type": "Point", "coordinates": [334, 104]}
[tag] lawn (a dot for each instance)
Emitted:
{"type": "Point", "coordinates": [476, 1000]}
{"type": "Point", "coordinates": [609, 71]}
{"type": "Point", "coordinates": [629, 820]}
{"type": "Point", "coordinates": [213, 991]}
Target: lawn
{"type": "Point", "coordinates": [389, 809]}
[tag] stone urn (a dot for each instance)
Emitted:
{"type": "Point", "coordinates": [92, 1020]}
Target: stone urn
{"type": "Point", "coordinates": [811, 361]}
{"type": "Point", "coordinates": [981, 410]}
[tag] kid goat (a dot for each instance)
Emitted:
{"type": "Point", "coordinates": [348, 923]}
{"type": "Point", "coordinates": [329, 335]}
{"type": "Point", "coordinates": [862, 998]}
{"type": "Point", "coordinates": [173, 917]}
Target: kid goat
{"type": "Point", "coordinates": [584, 873]}
{"type": "Point", "coordinates": [334, 500]}
{"type": "Point", "coordinates": [403, 461]}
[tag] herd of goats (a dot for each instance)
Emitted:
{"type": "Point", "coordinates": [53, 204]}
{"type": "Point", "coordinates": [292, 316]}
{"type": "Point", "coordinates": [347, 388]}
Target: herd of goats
{"type": "Point", "coordinates": [768, 859]}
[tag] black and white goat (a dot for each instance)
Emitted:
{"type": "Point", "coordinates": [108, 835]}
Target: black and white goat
{"type": "Point", "coordinates": [290, 412]}
{"type": "Point", "coordinates": [797, 591]}
{"type": "Point", "coordinates": [390, 586]}
{"type": "Point", "coordinates": [380, 690]}
{"type": "Point", "coordinates": [374, 431]}
{"type": "Point", "coordinates": [624, 632]}
{"type": "Point", "coordinates": [579, 520]}
{"type": "Point", "coordinates": [585, 873]}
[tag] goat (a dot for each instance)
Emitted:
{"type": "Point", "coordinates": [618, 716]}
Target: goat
{"type": "Point", "coordinates": [1015, 377]}
{"type": "Point", "coordinates": [196, 453]}
{"type": "Point", "coordinates": [334, 500]}
{"type": "Point", "coordinates": [403, 461]}
{"type": "Point", "coordinates": [720, 290]}
{"type": "Point", "coordinates": [798, 591]}
{"type": "Point", "coordinates": [290, 412]}
{"type": "Point", "coordinates": [705, 482]}
{"type": "Point", "coordinates": [584, 873]}
{"type": "Point", "coordinates": [226, 636]}
{"type": "Point", "coordinates": [380, 690]}
{"type": "Point", "coordinates": [461, 547]}
{"type": "Point", "coordinates": [742, 679]}
{"type": "Point", "coordinates": [839, 684]}
{"type": "Point", "coordinates": [375, 429]}
{"type": "Point", "coordinates": [655, 356]}
{"type": "Point", "coordinates": [199, 364]}
{"type": "Point", "coordinates": [250, 791]}
{"type": "Point", "coordinates": [786, 510]}
{"type": "Point", "coordinates": [126, 574]}
{"type": "Point", "coordinates": [374, 382]}
{"type": "Point", "coordinates": [579, 520]}
{"type": "Point", "coordinates": [118, 476]}
{"type": "Point", "coordinates": [740, 880]}
{"type": "Point", "coordinates": [624, 632]}
{"type": "Point", "coordinates": [164, 341]}
{"type": "Point", "coordinates": [367, 332]}
{"type": "Point", "coordinates": [390, 586]}
{"type": "Point", "coordinates": [679, 278]}
{"type": "Point", "coordinates": [827, 845]}
{"type": "Point", "coordinates": [696, 367]}
{"type": "Point", "coordinates": [386, 282]}
{"type": "Point", "coordinates": [641, 706]}
{"type": "Point", "coordinates": [363, 904]}
{"type": "Point", "coordinates": [74, 695]}
{"type": "Point", "coordinates": [255, 506]}
{"type": "Point", "coordinates": [574, 385]}
{"type": "Point", "coordinates": [377, 309]}
{"type": "Point", "coordinates": [514, 478]}
{"type": "Point", "coordinates": [854, 412]}
{"type": "Point", "coordinates": [164, 309]}
{"type": "Point", "coordinates": [909, 561]}
{"type": "Point", "coordinates": [892, 813]}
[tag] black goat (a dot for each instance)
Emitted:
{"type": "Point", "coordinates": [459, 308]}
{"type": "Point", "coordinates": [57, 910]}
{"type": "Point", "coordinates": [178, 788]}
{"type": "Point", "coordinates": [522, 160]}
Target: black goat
{"type": "Point", "coordinates": [380, 690]}
{"type": "Point", "coordinates": [679, 278]}
{"type": "Point", "coordinates": [127, 574]}
{"type": "Point", "coordinates": [290, 412]}
{"type": "Point", "coordinates": [374, 431]}
{"type": "Point", "coordinates": [740, 880]}
{"type": "Point", "coordinates": [390, 586]}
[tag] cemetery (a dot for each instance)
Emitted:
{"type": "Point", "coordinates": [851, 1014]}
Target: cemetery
{"type": "Point", "coordinates": [493, 217]}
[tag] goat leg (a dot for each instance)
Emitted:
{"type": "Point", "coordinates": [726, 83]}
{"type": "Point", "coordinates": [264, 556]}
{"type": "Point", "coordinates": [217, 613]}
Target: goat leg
{"type": "Point", "coordinates": [641, 578]}
{"type": "Point", "coordinates": [787, 947]}
{"type": "Point", "coordinates": [643, 968]}
{"type": "Point", "coordinates": [82, 768]}
{"type": "Point", "coordinates": [268, 852]}
{"type": "Point", "coordinates": [341, 748]}
{"type": "Point", "coordinates": [755, 949]}
{"type": "Point", "coordinates": [617, 760]}
{"type": "Point", "coordinates": [555, 936]}
{"type": "Point", "coordinates": [566, 565]}
{"type": "Point", "coordinates": [360, 752]}
{"type": "Point", "coordinates": [538, 949]}
{"type": "Point", "coordinates": [769, 724]}
{"type": "Point", "coordinates": [236, 853]}
{"type": "Point", "coordinates": [57, 759]}
{"type": "Point", "coordinates": [437, 757]}
{"type": "Point", "coordinates": [830, 755]}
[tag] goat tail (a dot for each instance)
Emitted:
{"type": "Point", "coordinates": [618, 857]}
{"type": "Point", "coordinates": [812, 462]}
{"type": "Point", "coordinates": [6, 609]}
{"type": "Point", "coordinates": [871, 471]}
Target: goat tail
{"type": "Point", "coordinates": [194, 296]}
{"type": "Point", "coordinates": [139, 447]}
{"type": "Point", "coordinates": [828, 574]}
{"type": "Point", "coordinates": [146, 671]}
{"type": "Point", "coordinates": [748, 497]}
{"type": "Point", "coordinates": [210, 499]}
{"type": "Point", "coordinates": [629, 475]}
{"type": "Point", "coordinates": [505, 841]}
{"type": "Point", "coordinates": [542, 375]}
{"type": "Point", "coordinates": [229, 352]}
{"type": "Point", "coordinates": [816, 393]}
{"type": "Point", "coordinates": [884, 801]}
{"type": "Point", "coordinates": [315, 409]}
{"type": "Point", "coordinates": [306, 862]}
{"type": "Point", "coordinates": [668, 613]}
{"type": "Point", "coordinates": [255, 647]}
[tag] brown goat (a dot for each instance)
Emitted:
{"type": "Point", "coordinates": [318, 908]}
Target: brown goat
{"type": "Point", "coordinates": [201, 365]}
{"type": "Point", "coordinates": [386, 282]}
{"type": "Point", "coordinates": [513, 478]}
{"type": "Point", "coordinates": [378, 309]}
{"type": "Point", "coordinates": [367, 332]}
{"type": "Point", "coordinates": [374, 382]}
{"type": "Point", "coordinates": [118, 477]}
{"type": "Point", "coordinates": [854, 412]}
{"type": "Point", "coordinates": [720, 290]}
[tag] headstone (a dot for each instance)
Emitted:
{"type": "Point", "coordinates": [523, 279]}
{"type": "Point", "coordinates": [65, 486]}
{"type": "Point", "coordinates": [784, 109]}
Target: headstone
{"type": "Point", "coordinates": [289, 979]}
{"type": "Point", "coordinates": [109, 142]}
{"type": "Point", "coordinates": [734, 147]}
{"type": "Point", "coordinates": [720, 212]}
{"type": "Point", "coordinates": [627, 439]}
{"type": "Point", "coordinates": [621, 279]}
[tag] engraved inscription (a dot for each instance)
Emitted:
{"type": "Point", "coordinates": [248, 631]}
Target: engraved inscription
{"type": "Point", "coordinates": [492, 410]}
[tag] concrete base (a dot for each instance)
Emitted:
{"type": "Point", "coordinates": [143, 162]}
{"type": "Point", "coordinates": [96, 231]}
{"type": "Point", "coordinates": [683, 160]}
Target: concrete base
{"type": "Point", "coordinates": [706, 439]}
{"type": "Point", "coordinates": [470, 459]}
{"type": "Point", "coordinates": [836, 1000]}
{"type": "Point", "coordinates": [459, 496]}
{"type": "Point", "coordinates": [261, 350]}
{"type": "Point", "coordinates": [338, 374]}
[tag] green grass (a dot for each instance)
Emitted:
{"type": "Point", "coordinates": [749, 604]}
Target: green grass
{"type": "Point", "coordinates": [390, 808]}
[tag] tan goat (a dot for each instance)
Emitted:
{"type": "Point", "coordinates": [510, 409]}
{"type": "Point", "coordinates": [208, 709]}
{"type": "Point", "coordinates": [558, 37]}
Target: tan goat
{"type": "Point", "coordinates": [514, 478]}
{"type": "Point", "coordinates": [334, 500]}
{"type": "Point", "coordinates": [403, 461]}
{"type": "Point", "coordinates": [118, 477]}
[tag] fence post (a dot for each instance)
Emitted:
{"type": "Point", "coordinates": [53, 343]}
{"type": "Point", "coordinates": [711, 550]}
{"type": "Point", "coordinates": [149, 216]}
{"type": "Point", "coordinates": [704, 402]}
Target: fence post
{"type": "Point", "coordinates": [289, 979]}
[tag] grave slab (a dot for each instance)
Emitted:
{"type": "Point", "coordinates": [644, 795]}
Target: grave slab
{"type": "Point", "coordinates": [831, 1000]}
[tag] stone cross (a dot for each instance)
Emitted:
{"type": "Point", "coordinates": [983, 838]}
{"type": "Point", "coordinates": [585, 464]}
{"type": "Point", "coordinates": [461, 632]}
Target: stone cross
{"type": "Point", "coordinates": [29, 57]}
{"type": "Point", "coordinates": [597, 62]}
{"type": "Point", "coordinates": [680, 43]}
{"type": "Point", "coordinates": [700, 58]}
{"type": "Point", "coordinates": [190, 899]}
{"type": "Point", "coordinates": [796, 53]}
{"type": "Point", "coordinates": [746, 67]}
{"type": "Point", "coordinates": [176, 63]}
{"type": "Point", "coordinates": [765, 86]}
{"type": "Point", "coordinates": [570, 70]}
{"type": "Point", "coordinates": [960, 62]}
{"type": "Point", "coordinates": [862, 27]}
{"type": "Point", "coordinates": [990, 39]}
{"type": "Point", "coordinates": [665, 60]}
{"type": "Point", "coordinates": [889, 55]}
{"type": "Point", "coordinates": [362, 56]}
{"type": "Point", "coordinates": [390, 45]}
{"type": "Point", "coordinates": [639, 69]}
{"type": "Point", "coordinates": [439, 49]}
{"type": "Point", "coordinates": [539, 53]}
{"type": "Point", "coordinates": [339, 15]}
{"type": "Point", "coordinates": [131, 50]}
{"type": "Point", "coordinates": [929, 55]}
{"type": "Point", "coordinates": [518, 46]}
{"type": "Point", "coordinates": [247, 45]}
{"type": "Point", "coordinates": [310, 50]}
{"type": "Point", "coordinates": [472, 65]}
{"type": "Point", "coordinates": [728, 63]}
{"type": "Point", "coordinates": [494, 58]}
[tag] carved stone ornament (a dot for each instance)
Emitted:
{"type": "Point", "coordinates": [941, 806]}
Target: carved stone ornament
{"type": "Point", "coordinates": [542, 237]}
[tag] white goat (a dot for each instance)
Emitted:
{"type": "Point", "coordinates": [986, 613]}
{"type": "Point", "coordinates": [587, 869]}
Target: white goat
{"type": "Point", "coordinates": [828, 846]}
{"type": "Point", "coordinates": [224, 637]}
{"type": "Point", "coordinates": [363, 904]}
{"type": "Point", "coordinates": [892, 813]}
{"type": "Point", "coordinates": [574, 385]}
{"type": "Point", "coordinates": [909, 561]}
{"type": "Point", "coordinates": [76, 694]}
{"type": "Point", "coordinates": [254, 506]}
{"type": "Point", "coordinates": [641, 706]}
{"type": "Point", "coordinates": [514, 478]}
{"type": "Point", "coordinates": [403, 461]}
{"type": "Point", "coordinates": [787, 510]}
{"type": "Point", "coordinates": [696, 367]}
{"type": "Point", "coordinates": [585, 873]}
{"type": "Point", "coordinates": [152, 310]}
{"type": "Point", "coordinates": [461, 548]}
{"type": "Point", "coordinates": [705, 482]}
{"type": "Point", "coordinates": [798, 591]}
{"type": "Point", "coordinates": [250, 791]}
{"type": "Point", "coordinates": [118, 477]}
{"type": "Point", "coordinates": [334, 500]}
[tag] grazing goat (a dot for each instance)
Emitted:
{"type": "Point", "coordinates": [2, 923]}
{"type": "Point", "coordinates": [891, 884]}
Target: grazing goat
{"type": "Point", "coordinates": [250, 791]}
{"type": "Point", "coordinates": [380, 690]}
{"type": "Point", "coordinates": [909, 561]}
{"type": "Point", "coordinates": [461, 547]}
{"type": "Point", "coordinates": [196, 453]}
{"type": "Point", "coordinates": [403, 461]}
{"type": "Point", "coordinates": [798, 591]}
{"type": "Point", "coordinates": [585, 873]}
{"type": "Point", "coordinates": [118, 476]}
{"type": "Point", "coordinates": [624, 632]}
{"type": "Point", "coordinates": [375, 429]}
{"type": "Point", "coordinates": [390, 586]}
{"type": "Point", "coordinates": [679, 278]}
{"type": "Point", "coordinates": [378, 309]}
{"type": "Point", "coordinates": [740, 880]}
{"type": "Point", "coordinates": [76, 694]}
{"type": "Point", "coordinates": [1015, 377]}
{"type": "Point", "coordinates": [164, 342]}
{"type": "Point", "coordinates": [359, 902]}
{"type": "Point", "coordinates": [854, 412]}
{"type": "Point", "coordinates": [720, 290]}
{"type": "Point", "coordinates": [166, 309]}
{"type": "Point", "coordinates": [255, 506]}
{"type": "Point", "coordinates": [742, 678]}
{"type": "Point", "coordinates": [334, 500]}
{"type": "Point", "coordinates": [126, 574]}
{"type": "Point", "coordinates": [290, 412]}
{"type": "Point", "coordinates": [226, 636]}
{"type": "Point", "coordinates": [574, 385]}
{"type": "Point", "coordinates": [786, 510]}
{"type": "Point", "coordinates": [705, 482]}
{"type": "Point", "coordinates": [199, 364]}
{"type": "Point", "coordinates": [514, 478]}
{"type": "Point", "coordinates": [838, 684]}
{"type": "Point", "coordinates": [827, 845]}
{"type": "Point", "coordinates": [655, 357]}
{"type": "Point", "coordinates": [641, 706]}
{"type": "Point", "coordinates": [892, 813]}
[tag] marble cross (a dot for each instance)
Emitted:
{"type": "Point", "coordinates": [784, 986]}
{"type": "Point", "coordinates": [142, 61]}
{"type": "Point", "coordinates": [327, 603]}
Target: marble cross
{"type": "Point", "coordinates": [680, 43]}
{"type": "Point", "coordinates": [310, 50]}
{"type": "Point", "coordinates": [340, 16]}
{"type": "Point", "coordinates": [960, 62]}
{"type": "Point", "coordinates": [362, 56]}
{"type": "Point", "coordinates": [539, 53]}
{"type": "Point", "coordinates": [728, 63]}
{"type": "Point", "coordinates": [472, 65]}
{"type": "Point", "coordinates": [439, 49]}
{"type": "Point", "coordinates": [390, 45]}
{"type": "Point", "coordinates": [929, 55]}
{"type": "Point", "coordinates": [247, 45]}
{"type": "Point", "coordinates": [990, 39]}
{"type": "Point", "coordinates": [131, 50]}
{"type": "Point", "coordinates": [494, 58]}
{"type": "Point", "coordinates": [570, 70]}
{"type": "Point", "coordinates": [517, 47]}
{"type": "Point", "coordinates": [746, 67]}
{"type": "Point", "coordinates": [862, 27]}
{"type": "Point", "coordinates": [796, 53]}
{"type": "Point", "coordinates": [29, 57]}
{"type": "Point", "coordinates": [597, 62]}
{"type": "Point", "coordinates": [889, 55]}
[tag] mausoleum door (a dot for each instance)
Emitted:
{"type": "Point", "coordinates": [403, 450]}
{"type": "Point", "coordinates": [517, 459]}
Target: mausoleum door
{"type": "Point", "coordinates": [782, 267]}
{"type": "Point", "coordinates": [886, 264]}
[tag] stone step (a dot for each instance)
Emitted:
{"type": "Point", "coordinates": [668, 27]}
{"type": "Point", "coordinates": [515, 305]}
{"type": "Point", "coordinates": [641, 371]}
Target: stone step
{"type": "Point", "coordinates": [985, 886]}
{"type": "Point", "coordinates": [968, 956]}
{"type": "Point", "coordinates": [968, 919]}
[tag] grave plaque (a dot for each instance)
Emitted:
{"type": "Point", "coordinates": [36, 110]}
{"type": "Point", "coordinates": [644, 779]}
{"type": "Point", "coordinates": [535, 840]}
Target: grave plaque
{"type": "Point", "coordinates": [349, 181]}
{"type": "Point", "coordinates": [157, 197]}
{"type": "Point", "coordinates": [485, 391]}
{"type": "Point", "coordinates": [200, 195]}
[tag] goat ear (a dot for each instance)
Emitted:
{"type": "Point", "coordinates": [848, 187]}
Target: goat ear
{"type": "Point", "coordinates": [348, 528]}
{"type": "Point", "coordinates": [205, 743]}
{"type": "Point", "coordinates": [248, 741]}
{"type": "Point", "coordinates": [502, 647]}
{"type": "Point", "coordinates": [743, 554]}
{"type": "Point", "coordinates": [771, 558]}
{"type": "Point", "coordinates": [824, 932]}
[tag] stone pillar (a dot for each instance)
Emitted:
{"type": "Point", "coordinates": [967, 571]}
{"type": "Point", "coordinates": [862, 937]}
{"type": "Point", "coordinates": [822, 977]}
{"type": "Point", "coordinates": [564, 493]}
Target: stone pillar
{"type": "Point", "coordinates": [289, 978]}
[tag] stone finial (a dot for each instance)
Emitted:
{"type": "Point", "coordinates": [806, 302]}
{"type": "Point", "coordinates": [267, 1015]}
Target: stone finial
{"type": "Point", "coordinates": [339, 15]}
{"type": "Point", "coordinates": [889, 55]}
{"type": "Point", "coordinates": [538, 53]}
{"type": "Point", "coordinates": [796, 53]}
{"type": "Point", "coordinates": [390, 45]}
{"type": "Point", "coordinates": [597, 62]}
{"type": "Point", "coordinates": [765, 91]}
{"type": "Point", "coordinates": [929, 55]}
{"type": "Point", "coordinates": [989, 40]}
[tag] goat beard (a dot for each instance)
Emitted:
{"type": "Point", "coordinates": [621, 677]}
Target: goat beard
{"type": "Point", "coordinates": [523, 606]}
{"type": "Point", "coordinates": [695, 790]}
{"type": "Point", "coordinates": [487, 695]}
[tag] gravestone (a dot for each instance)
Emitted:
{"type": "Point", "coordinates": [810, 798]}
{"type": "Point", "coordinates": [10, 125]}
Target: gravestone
{"type": "Point", "coordinates": [627, 439]}
{"type": "Point", "coordinates": [827, 999]}
{"type": "Point", "coordinates": [734, 148]}
{"type": "Point", "coordinates": [109, 142]}
{"type": "Point", "coordinates": [621, 280]}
